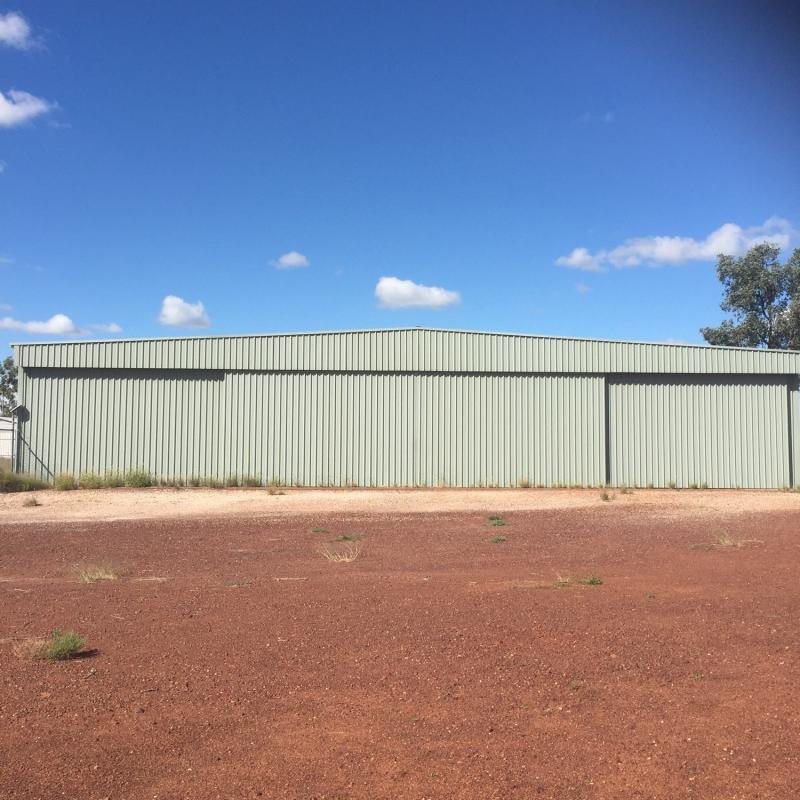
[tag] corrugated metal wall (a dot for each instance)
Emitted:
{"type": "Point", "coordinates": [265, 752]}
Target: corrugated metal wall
{"type": "Point", "coordinates": [407, 350]}
{"type": "Point", "coordinates": [725, 432]}
{"type": "Point", "coordinates": [318, 428]}
{"type": "Point", "coordinates": [413, 407]}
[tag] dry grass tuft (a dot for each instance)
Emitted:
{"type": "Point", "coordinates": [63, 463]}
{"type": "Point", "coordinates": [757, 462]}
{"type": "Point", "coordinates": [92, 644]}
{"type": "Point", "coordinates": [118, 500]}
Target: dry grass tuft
{"type": "Point", "coordinates": [725, 540]}
{"type": "Point", "coordinates": [344, 553]}
{"type": "Point", "coordinates": [95, 573]}
{"type": "Point", "coordinates": [562, 580]}
{"type": "Point", "coordinates": [30, 502]}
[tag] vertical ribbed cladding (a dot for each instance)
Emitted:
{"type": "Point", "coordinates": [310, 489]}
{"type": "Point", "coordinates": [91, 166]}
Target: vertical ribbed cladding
{"type": "Point", "coordinates": [318, 429]}
{"type": "Point", "coordinates": [420, 350]}
{"type": "Point", "coordinates": [693, 431]}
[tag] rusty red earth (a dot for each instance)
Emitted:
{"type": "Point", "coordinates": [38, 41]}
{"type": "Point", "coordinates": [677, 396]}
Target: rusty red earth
{"type": "Point", "coordinates": [232, 660]}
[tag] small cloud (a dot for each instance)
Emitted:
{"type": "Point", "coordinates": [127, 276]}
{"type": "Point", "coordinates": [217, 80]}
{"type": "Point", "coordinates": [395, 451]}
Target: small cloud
{"type": "Point", "coordinates": [291, 260]}
{"type": "Point", "coordinates": [3, 166]}
{"type": "Point", "coordinates": [57, 325]}
{"type": "Point", "coordinates": [582, 288]}
{"type": "Point", "coordinates": [396, 293]}
{"type": "Point", "coordinates": [18, 107]}
{"type": "Point", "coordinates": [608, 117]}
{"type": "Point", "coordinates": [729, 239]}
{"type": "Point", "coordinates": [6, 260]}
{"type": "Point", "coordinates": [581, 258]}
{"type": "Point", "coordinates": [15, 31]}
{"type": "Point", "coordinates": [176, 312]}
{"type": "Point", "coordinates": [106, 327]}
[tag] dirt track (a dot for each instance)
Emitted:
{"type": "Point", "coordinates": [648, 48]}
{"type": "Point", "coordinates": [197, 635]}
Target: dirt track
{"type": "Point", "coordinates": [233, 661]}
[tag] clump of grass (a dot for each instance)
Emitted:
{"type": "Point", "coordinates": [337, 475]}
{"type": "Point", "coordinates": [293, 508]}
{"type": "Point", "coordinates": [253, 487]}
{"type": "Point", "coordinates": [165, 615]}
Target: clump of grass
{"type": "Point", "coordinates": [606, 497]}
{"type": "Point", "coordinates": [19, 482]}
{"type": "Point", "coordinates": [697, 676]}
{"type": "Point", "coordinates": [113, 480]}
{"type": "Point", "coordinates": [498, 539]}
{"type": "Point", "coordinates": [591, 580]}
{"type": "Point", "coordinates": [138, 479]}
{"type": "Point", "coordinates": [232, 481]}
{"type": "Point", "coordinates": [65, 482]}
{"type": "Point", "coordinates": [562, 581]}
{"type": "Point", "coordinates": [60, 646]}
{"type": "Point", "coordinates": [345, 553]}
{"type": "Point", "coordinates": [672, 485]}
{"type": "Point", "coordinates": [91, 480]}
{"type": "Point", "coordinates": [349, 537]}
{"type": "Point", "coordinates": [275, 491]}
{"type": "Point", "coordinates": [497, 522]}
{"type": "Point", "coordinates": [95, 573]}
{"type": "Point", "coordinates": [625, 489]}
{"type": "Point", "coordinates": [251, 481]}
{"type": "Point", "coordinates": [30, 502]}
{"type": "Point", "coordinates": [524, 483]}
{"type": "Point", "coordinates": [726, 540]}
{"type": "Point", "coordinates": [319, 530]}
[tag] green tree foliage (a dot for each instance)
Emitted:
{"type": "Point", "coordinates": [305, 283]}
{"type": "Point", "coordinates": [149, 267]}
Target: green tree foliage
{"type": "Point", "coordinates": [763, 297]}
{"type": "Point", "coordinates": [8, 385]}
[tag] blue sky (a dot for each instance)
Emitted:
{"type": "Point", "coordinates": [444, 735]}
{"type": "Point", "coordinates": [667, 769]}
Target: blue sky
{"type": "Point", "coordinates": [273, 161]}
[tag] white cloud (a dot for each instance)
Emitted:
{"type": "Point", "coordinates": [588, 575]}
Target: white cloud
{"type": "Point", "coordinates": [582, 288]}
{"type": "Point", "coordinates": [728, 239]}
{"type": "Point", "coordinates": [57, 325]}
{"type": "Point", "coordinates": [15, 31]}
{"type": "Point", "coordinates": [175, 311]}
{"type": "Point", "coordinates": [18, 107]}
{"type": "Point", "coordinates": [396, 293]}
{"type": "Point", "coordinates": [106, 327]}
{"type": "Point", "coordinates": [291, 260]}
{"type": "Point", "coordinates": [580, 258]}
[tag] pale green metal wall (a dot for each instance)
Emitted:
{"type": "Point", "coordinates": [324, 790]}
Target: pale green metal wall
{"type": "Point", "coordinates": [318, 429]}
{"type": "Point", "coordinates": [412, 407]}
{"type": "Point", "coordinates": [721, 431]}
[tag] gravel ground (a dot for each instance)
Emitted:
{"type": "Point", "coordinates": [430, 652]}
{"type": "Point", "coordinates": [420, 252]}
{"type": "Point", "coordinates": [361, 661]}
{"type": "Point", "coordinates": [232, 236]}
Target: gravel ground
{"type": "Point", "coordinates": [230, 659]}
{"type": "Point", "coordinates": [121, 504]}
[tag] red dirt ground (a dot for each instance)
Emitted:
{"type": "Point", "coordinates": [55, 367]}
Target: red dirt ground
{"type": "Point", "coordinates": [437, 665]}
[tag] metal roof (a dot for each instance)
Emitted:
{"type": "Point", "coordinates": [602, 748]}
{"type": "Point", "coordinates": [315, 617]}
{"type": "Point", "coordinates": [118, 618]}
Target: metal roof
{"type": "Point", "coordinates": [405, 350]}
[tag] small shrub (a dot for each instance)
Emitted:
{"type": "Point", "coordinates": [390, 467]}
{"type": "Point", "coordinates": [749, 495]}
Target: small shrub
{"type": "Point", "coordinates": [606, 497]}
{"type": "Point", "coordinates": [232, 481]}
{"type": "Point", "coordinates": [672, 485]}
{"type": "Point", "coordinates": [90, 480]}
{"type": "Point", "coordinates": [273, 491]}
{"type": "Point", "coordinates": [497, 522]}
{"type": "Point", "coordinates": [210, 483]}
{"type": "Point", "coordinates": [524, 483]}
{"type": "Point", "coordinates": [19, 482]}
{"type": "Point", "coordinates": [344, 554]}
{"type": "Point", "coordinates": [251, 481]}
{"type": "Point", "coordinates": [138, 479]}
{"type": "Point", "coordinates": [113, 480]}
{"type": "Point", "coordinates": [591, 580]}
{"type": "Point", "coordinates": [65, 482]}
{"type": "Point", "coordinates": [60, 646]}
{"type": "Point", "coordinates": [30, 502]}
{"type": "Point", "coordinates": [625, 489]}
{"type": "Point", "coordinates": [498, 539]}
{"type": "Point", "coordinates": [349, 537]}
{"type": "Point", "coordinates": [93, 574]}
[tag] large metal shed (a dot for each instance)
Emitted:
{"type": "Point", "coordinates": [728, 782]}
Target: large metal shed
{"type": "Point", "coordinates": [412, 407]}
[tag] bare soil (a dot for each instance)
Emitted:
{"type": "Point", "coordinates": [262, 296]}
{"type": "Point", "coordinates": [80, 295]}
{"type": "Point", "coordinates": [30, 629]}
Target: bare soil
{"type": "Point", "coordinates": [230, 659]}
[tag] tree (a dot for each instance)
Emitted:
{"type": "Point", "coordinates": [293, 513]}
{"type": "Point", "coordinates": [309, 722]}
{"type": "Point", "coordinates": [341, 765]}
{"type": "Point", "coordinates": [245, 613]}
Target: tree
{"type": "Point", "coordinates": [8, 385]}
{"type": "Point", "coordinates": [763, 297]}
